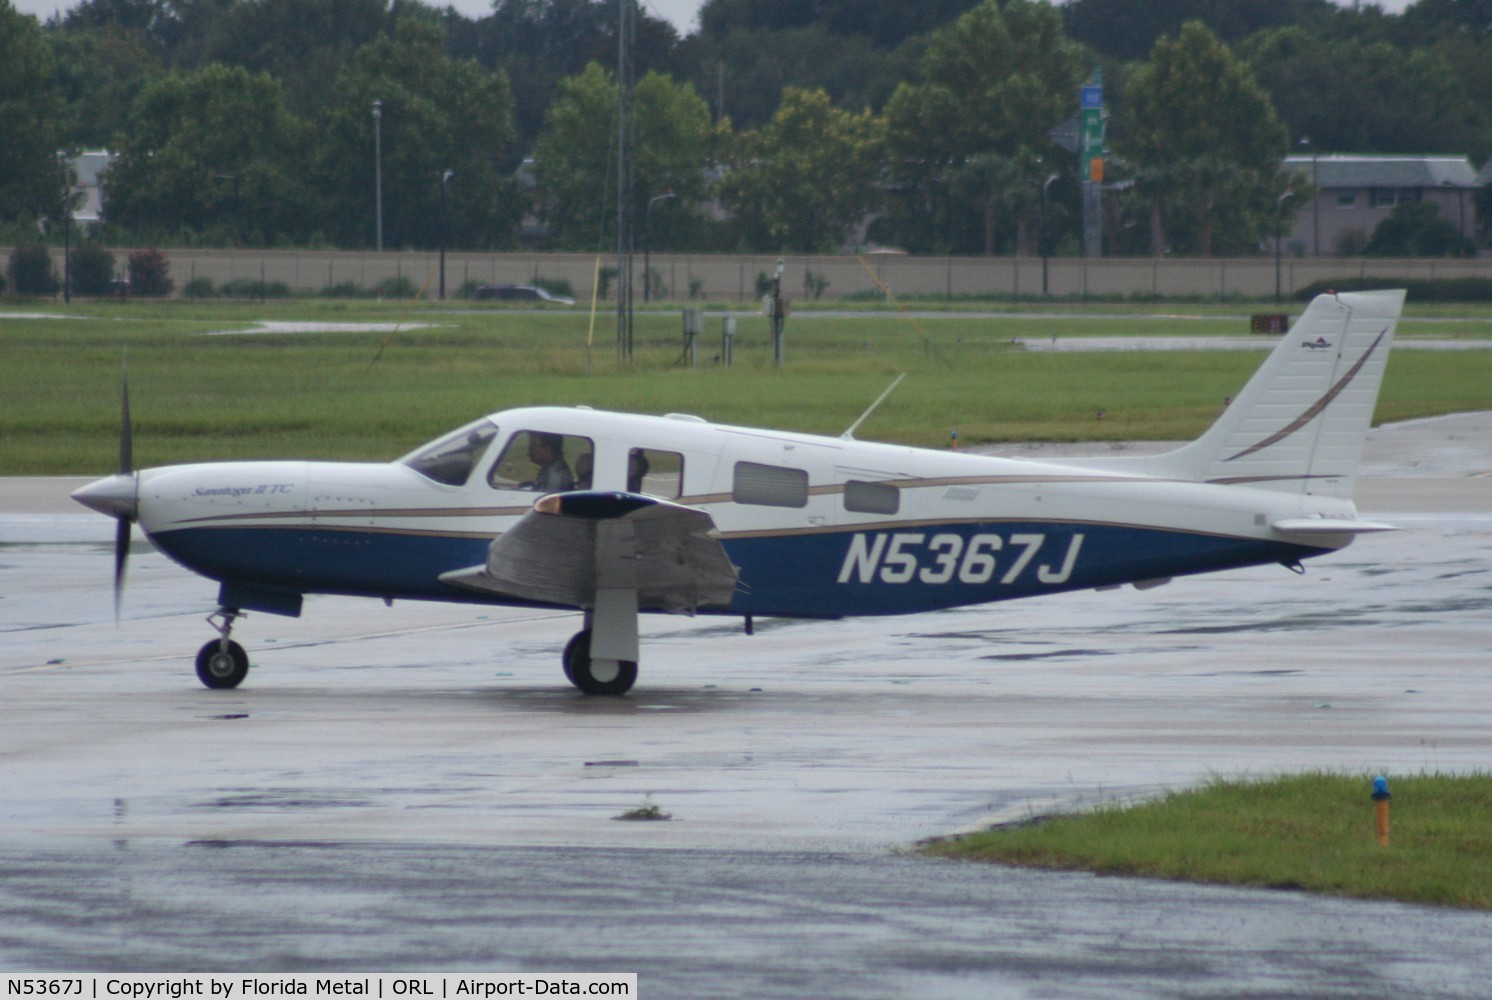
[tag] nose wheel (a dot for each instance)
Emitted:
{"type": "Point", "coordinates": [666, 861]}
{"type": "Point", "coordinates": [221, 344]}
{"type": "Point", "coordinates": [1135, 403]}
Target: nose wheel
{"type": "Point", "coordinates": [222, 663]}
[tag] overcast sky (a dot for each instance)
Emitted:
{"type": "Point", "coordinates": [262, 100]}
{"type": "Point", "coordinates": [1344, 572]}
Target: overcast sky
{"type": "Point", "coordinates": [680, 13]}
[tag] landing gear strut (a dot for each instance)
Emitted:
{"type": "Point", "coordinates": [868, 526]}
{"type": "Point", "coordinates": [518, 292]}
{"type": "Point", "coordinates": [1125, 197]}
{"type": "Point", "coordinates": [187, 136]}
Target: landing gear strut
{"type": "Point", "coordinates": [222, 663]}
{"type": "Point", "coordinates": [603, 677]}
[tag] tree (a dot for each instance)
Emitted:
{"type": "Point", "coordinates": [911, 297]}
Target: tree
{"type": "Point", "coordinates": [807, 178]}
{"type": "Point", "coordinates": [1369, 97]}
{"type": "Point", "coordinates": [211, 153]}
{"type": "Point", "coordinates": [1203, 138]}
{"type": "Point", "coordinates": [745, 70]}
{"type": "Point", "coordinates": [538, 43]}
{"type": "Point", "coordinates": [303, 44]}
{"type": "Point", "coordinates": [574, 158]}
{"type": "Point", "coordinates": [436, 114]}
{"type": "Point", "coordinates": [887, 24]}
{"type": "Point", "coordinates": [32, 177]}
{"type": "Point", "coordinates": [1470, 18]}
{"type": "Point", "coordinates": [993, 185]}
{"type": "Point", "coordinates": [170, 29]}
{"type": "Point", "coordinates": [994, 83]}
{"type": "Point", "coordinates": [100, 74]}
{"type": "Point", "coordinates": [1128, 29]}
{"type": "Point", "coordinates": [995, 80]}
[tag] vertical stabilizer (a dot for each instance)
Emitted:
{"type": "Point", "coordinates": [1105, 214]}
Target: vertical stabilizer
{"type": "Point", "coordinates": [1300, 424]}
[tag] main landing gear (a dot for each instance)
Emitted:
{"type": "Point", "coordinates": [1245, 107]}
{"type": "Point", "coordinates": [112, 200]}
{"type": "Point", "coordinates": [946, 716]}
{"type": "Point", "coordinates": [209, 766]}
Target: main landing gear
{"type": "Point", "coordinates": [602, 657]}
{"type": "Point", "coordinates": [595, 676]}
{"type": "Point", "coordinates": [222, 663]}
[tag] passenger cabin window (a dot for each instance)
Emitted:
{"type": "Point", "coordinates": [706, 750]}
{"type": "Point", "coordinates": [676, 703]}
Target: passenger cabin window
{"type": "Point", "coordinates": [449, 460]}
{"type": "Point", "coordinates": [769, 485]}
{"type": "Point", "coordinates": [656, 473]}
{"type": "Point", "coordinates": [543, 462]}
{"type": "Point", "coordinates": [871, 498]}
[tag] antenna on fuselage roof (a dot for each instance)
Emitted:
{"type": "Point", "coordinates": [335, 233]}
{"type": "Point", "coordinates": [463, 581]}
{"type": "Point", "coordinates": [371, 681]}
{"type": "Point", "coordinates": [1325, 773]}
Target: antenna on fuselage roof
{"type": "Point", "coordinates": [849, 434]}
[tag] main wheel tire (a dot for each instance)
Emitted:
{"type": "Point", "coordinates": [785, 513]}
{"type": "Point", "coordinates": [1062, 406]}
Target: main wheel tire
{"type": "Point", "coordinates": [578, 669]}
{"type": "Point", "coordinates": [222, 668]}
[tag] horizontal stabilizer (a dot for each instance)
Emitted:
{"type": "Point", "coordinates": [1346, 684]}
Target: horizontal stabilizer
{"type": "Point", "coordinates": [1329, 526]}
{"type": "Point", "coordinates": [573, 544]}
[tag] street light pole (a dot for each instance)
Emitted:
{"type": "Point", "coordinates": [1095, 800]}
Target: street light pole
{"type": "Point", "coordinates": [67, 249]}
{"type": "Point", "coordinates": [779, 318]}
{"type": "Point", "coordinates": [1279, 235]}
{"type": "Point", "coordinates": [1041, 236]}
{"type": "Point", "coordinates": [647, 245]}
{"type": "Point", "coordinates": [67, 231]}
{"type": "Point", "coordinates": [378, 171]}
{"type": "Point", "coordinates": [1305, 141]}
{"type": "Point", "coordinates": [445, 178]}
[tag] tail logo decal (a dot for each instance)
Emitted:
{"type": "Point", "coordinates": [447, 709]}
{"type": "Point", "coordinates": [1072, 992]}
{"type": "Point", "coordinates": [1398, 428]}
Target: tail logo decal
{"type": "Point", "coordinates": [1321, 404]}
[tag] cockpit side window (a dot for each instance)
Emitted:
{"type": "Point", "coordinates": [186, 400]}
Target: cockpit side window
{"type": "Point", "coordinates": [544, 462]}
{"type": "Point", "coordinates": [449, 460]}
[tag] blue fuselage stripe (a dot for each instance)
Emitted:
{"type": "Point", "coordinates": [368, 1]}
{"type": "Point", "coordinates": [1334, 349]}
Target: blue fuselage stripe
{"type": "Point", "coordinates": [827, 574]}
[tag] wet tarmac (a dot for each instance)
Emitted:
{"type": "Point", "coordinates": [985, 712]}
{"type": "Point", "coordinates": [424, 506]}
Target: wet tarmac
{"type": "Point", "coordinates": [712, 923]}
{"type": "Point", "coordinates": [416, 787]}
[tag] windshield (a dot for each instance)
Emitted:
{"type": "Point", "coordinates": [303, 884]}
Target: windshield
{"type": "Point", "coordinates": [449, 459]}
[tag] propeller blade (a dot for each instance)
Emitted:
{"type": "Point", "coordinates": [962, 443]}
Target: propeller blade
{"type": "Point", "coordinates": [126, 467]}
{"type": "Point", "coordinates": [121, 556]}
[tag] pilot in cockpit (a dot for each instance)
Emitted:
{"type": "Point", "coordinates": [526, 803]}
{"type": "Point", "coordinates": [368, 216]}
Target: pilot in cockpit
{"type": "Point", "coordinates": [547, 451]}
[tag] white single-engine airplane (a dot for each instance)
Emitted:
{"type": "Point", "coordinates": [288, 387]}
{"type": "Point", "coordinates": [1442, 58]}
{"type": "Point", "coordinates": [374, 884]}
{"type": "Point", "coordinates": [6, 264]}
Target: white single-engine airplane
{"type": "Point", "coordinates": [616, 514]}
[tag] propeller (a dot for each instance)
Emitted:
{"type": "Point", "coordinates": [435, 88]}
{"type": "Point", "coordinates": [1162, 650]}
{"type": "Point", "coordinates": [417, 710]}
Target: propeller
{"type": "Point", "coordinates": [119, 495]}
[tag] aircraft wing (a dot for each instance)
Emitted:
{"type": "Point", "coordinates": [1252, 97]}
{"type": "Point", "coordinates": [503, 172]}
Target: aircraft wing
{"type": "Point", "coordinates": [573, 544]}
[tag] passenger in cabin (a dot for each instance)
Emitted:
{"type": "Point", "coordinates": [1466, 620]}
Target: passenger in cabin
{"type": "Point", "coordinates": [584, 464]}
{"type": "Point", "coordinates": [547, 451]}
{"type": "Point", "coordinates": [637, 468]}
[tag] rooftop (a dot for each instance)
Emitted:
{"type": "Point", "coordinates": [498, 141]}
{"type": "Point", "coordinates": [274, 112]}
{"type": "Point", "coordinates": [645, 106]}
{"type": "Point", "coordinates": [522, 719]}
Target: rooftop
{"type": "Point", "coordinates": [1341, 170]}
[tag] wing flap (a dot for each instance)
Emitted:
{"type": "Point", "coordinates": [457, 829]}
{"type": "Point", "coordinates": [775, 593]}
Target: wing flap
{"type": "Point", "coordinates": [572, 544]}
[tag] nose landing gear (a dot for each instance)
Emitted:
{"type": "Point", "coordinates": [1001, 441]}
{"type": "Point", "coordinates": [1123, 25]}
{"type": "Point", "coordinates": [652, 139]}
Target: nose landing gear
{"type": "Point", "coordinates": [222, 663]}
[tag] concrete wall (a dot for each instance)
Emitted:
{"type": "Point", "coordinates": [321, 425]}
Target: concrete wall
{"type": "Point", "coordinates": [733, 278]}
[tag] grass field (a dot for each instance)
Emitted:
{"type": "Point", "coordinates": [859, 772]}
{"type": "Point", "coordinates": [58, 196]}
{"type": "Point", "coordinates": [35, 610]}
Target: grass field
{"type": "Point", "coordinates": [1313, 831]}
{"type": "Point", "coordinates": [320, 395]}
